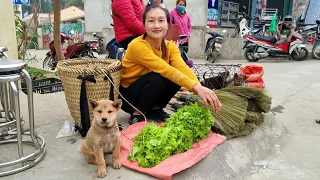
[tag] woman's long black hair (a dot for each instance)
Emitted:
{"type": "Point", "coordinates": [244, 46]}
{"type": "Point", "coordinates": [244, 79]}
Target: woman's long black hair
{"type": "Point", "coordinates": [163, 44]}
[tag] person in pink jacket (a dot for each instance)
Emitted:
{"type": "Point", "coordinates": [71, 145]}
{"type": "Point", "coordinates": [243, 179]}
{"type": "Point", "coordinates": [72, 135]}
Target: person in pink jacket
{"type": "Point", "coordinates": [180, 16]}
{"type": "Point", "coordinates": [127, 20]}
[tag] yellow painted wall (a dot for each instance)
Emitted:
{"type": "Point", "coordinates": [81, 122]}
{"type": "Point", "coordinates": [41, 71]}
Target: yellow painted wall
{"type": "Point", "coordinates": [7, 28]}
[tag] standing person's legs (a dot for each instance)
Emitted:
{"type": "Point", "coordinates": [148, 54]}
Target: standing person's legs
{"type": "Point", "coordinates": [124, 43]}
{"type": "Point", "coordinates": [185, 46]}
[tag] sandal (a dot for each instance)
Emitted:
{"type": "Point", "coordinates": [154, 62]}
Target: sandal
{"type": "Point", "coordinates": [317, 121]}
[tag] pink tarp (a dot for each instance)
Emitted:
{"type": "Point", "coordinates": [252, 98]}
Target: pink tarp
{"type": "Point", "coordinates": [173, 164]}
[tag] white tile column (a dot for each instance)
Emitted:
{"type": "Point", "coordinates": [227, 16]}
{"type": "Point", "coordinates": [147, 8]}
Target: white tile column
{"type": "Point", "coordinates": [7, 28]}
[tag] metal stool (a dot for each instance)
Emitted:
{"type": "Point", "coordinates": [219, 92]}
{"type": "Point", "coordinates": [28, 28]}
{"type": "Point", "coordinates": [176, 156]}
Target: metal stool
{"type": "Point", "coordinates": [11, 71]}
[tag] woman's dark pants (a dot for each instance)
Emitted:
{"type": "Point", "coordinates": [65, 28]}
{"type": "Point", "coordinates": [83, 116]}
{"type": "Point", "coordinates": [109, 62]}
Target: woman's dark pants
{"type": "Point", "coordinates": [149, 90]}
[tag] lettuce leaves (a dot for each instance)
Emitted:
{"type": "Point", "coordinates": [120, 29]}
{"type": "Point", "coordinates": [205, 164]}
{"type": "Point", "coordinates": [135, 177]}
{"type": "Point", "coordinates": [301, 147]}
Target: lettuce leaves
{"type": "Point", "coordinates": [154, 143]}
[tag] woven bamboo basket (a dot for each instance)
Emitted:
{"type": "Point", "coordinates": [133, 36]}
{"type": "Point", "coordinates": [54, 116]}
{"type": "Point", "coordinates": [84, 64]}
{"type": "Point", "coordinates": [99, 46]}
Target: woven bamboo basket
{"type": "Point", "coordinates": [69, 70]}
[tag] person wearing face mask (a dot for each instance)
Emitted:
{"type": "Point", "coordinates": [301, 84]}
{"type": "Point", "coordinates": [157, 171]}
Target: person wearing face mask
{"type": "Point", "coordinates": [153, 71]}
{"type": "Point", "coordinates": [156, 3]}
{"type": "Point", "coordinates": [179, 16]}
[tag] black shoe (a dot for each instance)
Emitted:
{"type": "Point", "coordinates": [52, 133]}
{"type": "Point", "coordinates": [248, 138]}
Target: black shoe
{"type": "Point", "coordinates": [136, 118]}
{"type": "Point", "coordinates": [158, 115]}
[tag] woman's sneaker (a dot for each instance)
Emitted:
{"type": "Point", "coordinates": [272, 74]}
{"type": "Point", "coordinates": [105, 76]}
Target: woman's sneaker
{"type": "Point", "coordinates": [158, 115]}
{"type": "Point", "coordinates": [136, 118]}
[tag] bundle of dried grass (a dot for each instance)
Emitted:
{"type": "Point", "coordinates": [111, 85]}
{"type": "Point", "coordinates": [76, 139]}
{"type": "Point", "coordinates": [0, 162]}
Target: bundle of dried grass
{"type": "Point", "coordinates": [230, 120]}
{"type": "Point", "coordinates": [258, 99]}
{"type": "Point", "coordinates": [241, 112]}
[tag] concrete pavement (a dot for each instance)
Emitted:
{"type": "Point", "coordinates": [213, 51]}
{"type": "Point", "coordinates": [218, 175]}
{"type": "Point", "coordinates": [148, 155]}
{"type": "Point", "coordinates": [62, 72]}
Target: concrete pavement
{"type": "Point", "coordinates": [294, 85]}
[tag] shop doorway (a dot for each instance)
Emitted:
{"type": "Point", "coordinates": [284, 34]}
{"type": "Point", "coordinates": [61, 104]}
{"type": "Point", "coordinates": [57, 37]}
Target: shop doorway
{"type": "Point", "coordinates": [230, 11]}
{"type": "Point", "coordinates": [277, 4]}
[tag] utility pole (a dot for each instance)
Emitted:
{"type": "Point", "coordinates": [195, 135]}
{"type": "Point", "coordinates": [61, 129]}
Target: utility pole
{"type": "Point", "coordinates": [56, 29]}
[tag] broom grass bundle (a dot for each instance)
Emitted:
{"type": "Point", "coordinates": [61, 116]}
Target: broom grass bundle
{"type": "Point", "coordinates": [241, 111]}
{"type": "Point", "coordinates": [254, 117]}
{"type": "Point", "coordinates": [259, 98]}
{"type": "Point", "coordinates": [231, 118]}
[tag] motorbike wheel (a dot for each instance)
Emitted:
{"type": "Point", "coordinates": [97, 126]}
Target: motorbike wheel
{"type": "Point", "coordinates": [212, 57]}
{"type": "Point", "coordinates": [234, 33]}
{"type": "Point", "coordinates": [99, 49]}
{"type": "Point", "coordinates": [248, 54]}
{"type": "Point", "coordinates": [305, 38]}
{"type": "Point", "coordinates": [47, 63]}
{"type": "Point", "coordinates": [297, 57]}
{"type": "Point", "coordinates": [316, 51]}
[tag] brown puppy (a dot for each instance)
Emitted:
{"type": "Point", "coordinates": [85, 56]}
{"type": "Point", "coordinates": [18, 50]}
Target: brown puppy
{"type": "Point", "coordinates": [103, 135]}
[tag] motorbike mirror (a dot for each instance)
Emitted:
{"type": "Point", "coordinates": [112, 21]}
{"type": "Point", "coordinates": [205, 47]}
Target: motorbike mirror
{"type": "Point", "coordinates": [207, 29]}
{"type": "Point", "coordinates": [4, 49]}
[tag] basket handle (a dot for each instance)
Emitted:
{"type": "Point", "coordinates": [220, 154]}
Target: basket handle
{"type": "Point", "coordinates": [84, 109]}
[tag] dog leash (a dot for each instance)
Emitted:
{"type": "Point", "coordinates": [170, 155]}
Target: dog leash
{"type": "Point", "coordinates": [145, 118]}
{"type": "Point", "coordinates": [124, 134]}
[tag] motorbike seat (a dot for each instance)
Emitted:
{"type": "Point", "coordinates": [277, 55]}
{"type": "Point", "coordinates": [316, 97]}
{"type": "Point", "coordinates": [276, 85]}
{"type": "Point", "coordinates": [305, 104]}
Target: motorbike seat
{"type": "Point", "coordinates": [214, 34]}
{"type": "Point", "coordinates": [259, 24]}
{"type": "Point", "coordinates": [183, 37]}
{"type": "Point", "coordinates": [3, 49]}
{"type": "Point", "coordinates": [75, 44]}
{"type": "Point", "coordinates": [264, 38]}
{"type": "Point", "coordinates": [318, 21]}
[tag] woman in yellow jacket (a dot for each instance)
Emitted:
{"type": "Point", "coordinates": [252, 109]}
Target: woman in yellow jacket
{"type": "Point", "coordinates": [153, 71]}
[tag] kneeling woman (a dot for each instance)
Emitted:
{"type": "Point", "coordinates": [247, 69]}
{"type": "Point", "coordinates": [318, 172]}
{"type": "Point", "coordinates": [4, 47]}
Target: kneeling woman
{"type": "Point", "coordinates": [153, 71]}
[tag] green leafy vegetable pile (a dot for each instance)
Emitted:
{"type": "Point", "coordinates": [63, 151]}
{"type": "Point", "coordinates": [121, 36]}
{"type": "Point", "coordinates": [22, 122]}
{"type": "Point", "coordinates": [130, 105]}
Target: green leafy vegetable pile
{"type": "Point", "coordinates": [154, 143]}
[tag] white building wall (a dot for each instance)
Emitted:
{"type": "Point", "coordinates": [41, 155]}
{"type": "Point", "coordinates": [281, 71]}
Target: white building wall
{"type": "Point", "coordinates": [97, 15]}
{"type": "Point", "coordinates": [98, 19]}
{"type": "Point", "coordinates": [7, 28]}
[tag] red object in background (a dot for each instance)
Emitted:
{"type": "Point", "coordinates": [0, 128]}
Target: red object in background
{"type": "Point", "coordinates": [175, 163]}
{"type": "Point", "coordinates": [212, 23]}
{"type": "Point", "coordinates": [173, 33]}
{"type": "Point", "coordinates": [64, 52]}
{"type": "Point", "coordinates": [314, 39]}
{"type": "Point", "coordinates": [253, 75]}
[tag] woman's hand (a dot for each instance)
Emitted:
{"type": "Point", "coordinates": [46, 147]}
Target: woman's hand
{"type": "Point", "coordinates": [208, 97]}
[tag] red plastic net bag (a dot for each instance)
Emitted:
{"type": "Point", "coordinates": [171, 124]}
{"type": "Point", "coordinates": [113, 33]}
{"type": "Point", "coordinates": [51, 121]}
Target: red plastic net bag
{"type": "Point", "coordinates": [254, 74]}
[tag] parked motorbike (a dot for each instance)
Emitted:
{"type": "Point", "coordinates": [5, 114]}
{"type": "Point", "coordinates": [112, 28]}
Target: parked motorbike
{"type": "Point", "coordinates": [3, 54]}
{"type": "Point", "coordinates": [213, 45]}
{"type": "Point", "coordinates": [316, 46]}
{"type": "Point", "coordinates": [242, 28]}
{"type": "Point", "coordinates": [77, 50]}
{"type": "Point", "coordinates": [100, 42]}
{"type": "Point", "coordinates": [259, 46]}
{"type": "Point", "coordinates": [307, 31]}
{"type": "Point", "coordinates": [114, 50]}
